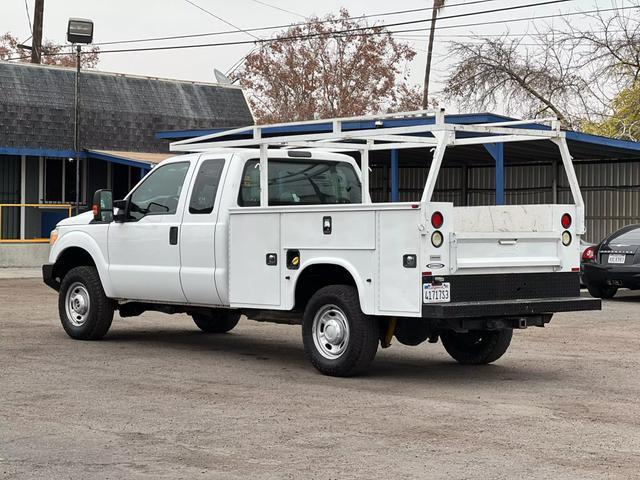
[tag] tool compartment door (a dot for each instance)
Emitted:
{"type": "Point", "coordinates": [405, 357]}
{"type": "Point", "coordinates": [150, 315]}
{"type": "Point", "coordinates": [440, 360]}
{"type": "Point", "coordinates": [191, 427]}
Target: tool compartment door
{"type": "Point", "coordinates": [254, 282]}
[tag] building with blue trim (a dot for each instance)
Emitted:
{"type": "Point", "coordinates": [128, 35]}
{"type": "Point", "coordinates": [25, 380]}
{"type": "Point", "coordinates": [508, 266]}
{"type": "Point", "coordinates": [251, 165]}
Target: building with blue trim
{"type": "Point", "coordinates": [119, 116]}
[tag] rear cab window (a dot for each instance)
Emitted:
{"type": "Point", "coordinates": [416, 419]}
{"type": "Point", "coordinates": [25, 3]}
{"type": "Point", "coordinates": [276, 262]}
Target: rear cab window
{"type": "Point", "coordinates": [301, 182]}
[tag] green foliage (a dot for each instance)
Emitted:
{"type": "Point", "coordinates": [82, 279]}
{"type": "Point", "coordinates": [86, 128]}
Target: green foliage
{"type": "Point", "coordinates": [624, 121]}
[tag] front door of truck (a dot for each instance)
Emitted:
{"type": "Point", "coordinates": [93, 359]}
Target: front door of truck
{"type": "Point", "coordinates": [198, 235]}
{"type": "Point", "coordinates": [144, 252]}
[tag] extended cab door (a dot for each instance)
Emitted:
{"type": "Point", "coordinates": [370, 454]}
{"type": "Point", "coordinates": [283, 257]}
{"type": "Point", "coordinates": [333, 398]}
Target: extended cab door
{"type": "Point", "coordinates": [144, 252]}
{"type": "Point", "coordinates": [198, 234]}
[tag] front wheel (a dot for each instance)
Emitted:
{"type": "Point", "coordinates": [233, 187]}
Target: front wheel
{"type": "Point", "coordinates": [216, 321]}
{"type": "Point", "coordinates": [85, 311]}
{"type": "Point", "coordinates": [338, 338]}
{"type": "Point", "coordinates": [477, 347]}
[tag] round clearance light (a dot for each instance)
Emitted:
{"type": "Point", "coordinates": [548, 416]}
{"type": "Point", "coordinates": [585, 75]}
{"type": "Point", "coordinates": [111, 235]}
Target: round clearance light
{"type": "Point", "coordinates": [566, 221]}
{"type": "Point", "coordinates": [437, 220]}
{"type": "Point", "coordinates": [437, 239]}
{"type": "Point", "coordinates": [566, 238]}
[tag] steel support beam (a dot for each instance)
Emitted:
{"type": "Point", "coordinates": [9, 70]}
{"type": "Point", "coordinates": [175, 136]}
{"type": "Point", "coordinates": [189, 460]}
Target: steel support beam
{"type": "Point", "coordinates": [496, 150]}
{"type": "Point", "coordinates": [394, 174]}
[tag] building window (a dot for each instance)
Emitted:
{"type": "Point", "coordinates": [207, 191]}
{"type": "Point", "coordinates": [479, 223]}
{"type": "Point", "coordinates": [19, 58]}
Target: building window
{"type": "Point", "coordinates": [60, 180]}
{"type": "Point", "coordinates": [123, 179]}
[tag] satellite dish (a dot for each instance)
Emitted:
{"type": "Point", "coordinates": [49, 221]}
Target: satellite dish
{"type": "Point", "coordinates": [221, 77]}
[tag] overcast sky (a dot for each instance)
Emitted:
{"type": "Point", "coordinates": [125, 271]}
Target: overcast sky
{"type": "Point", "coordinates": [127, 19]}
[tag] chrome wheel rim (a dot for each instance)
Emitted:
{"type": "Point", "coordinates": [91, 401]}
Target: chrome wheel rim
{"type": "Point", "coordinates": [330, 331]}
{"type": "Point", "coordinates": [77, 303]}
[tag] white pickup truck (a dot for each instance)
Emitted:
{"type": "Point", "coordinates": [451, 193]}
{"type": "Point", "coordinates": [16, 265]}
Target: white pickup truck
{"type": "Point", "coordinates": [289, 234]}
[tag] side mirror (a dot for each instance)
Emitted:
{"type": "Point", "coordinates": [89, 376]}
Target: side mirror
{"type": "Point", "coordinates": [103, 206]}
{"type": "Point", "coordinates": [122, 215]}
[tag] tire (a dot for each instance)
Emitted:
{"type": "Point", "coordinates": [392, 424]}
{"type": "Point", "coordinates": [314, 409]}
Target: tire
{"type": "Point", "coordinates": [217, 321]}
{"type": "Point", "coordinates": [477, 347]}
{"type": "Point", "coordinates": [338, 338]}
{"type": "Point", "coordinates": [602, 291]}
{"type": "Point", "coordinates": [85, 311]}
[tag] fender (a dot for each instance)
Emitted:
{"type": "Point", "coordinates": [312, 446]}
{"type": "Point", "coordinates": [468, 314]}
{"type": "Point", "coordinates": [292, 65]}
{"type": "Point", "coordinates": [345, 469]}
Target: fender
{"type": "Point", "coordinates": [365, 297]}
{"type": "Point", "coordinates": [82, 239]}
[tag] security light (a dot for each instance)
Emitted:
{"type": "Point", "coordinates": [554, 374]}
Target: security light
{"type": "Point", "coordinates": [80, 30]}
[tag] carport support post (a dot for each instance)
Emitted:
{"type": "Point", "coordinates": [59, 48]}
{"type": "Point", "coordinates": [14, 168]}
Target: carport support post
{"type": "Point", "coordinates": [496, 150]}
{"type": "Point", "coordinates": [394, 176]}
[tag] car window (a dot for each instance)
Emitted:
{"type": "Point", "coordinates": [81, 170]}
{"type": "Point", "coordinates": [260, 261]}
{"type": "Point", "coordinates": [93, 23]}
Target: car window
{"type": "Point", "coordinates": [160, 192]}
{"type": "Point", "coordinates": [301, 182]}
{"type": "Point", "coordinates": [205, 187]}
{"type": "Point", "coordinates": [630, 237]}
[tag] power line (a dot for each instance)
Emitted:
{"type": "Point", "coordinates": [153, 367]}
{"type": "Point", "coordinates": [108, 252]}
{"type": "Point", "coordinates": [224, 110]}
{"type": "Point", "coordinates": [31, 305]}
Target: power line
{"type": "Point", "coordinates": [278, 8]}
{"type": "Point", "coordinates": [220, 18]}
{"type": "Point", "coordinates": [343, 32]}
{"type": "Point", "coordinates": [279, 27]}
{"type": "Point", "coordinates": [26, 6]}
{"type": "Point", "coordinates": [523, 19]}
{"type": "Point", "coordinates": [337, 32]}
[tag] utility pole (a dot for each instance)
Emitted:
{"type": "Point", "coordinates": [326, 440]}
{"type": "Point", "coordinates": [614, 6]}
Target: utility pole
{"type": "Point", "coordinates": [437, 5]}
{"type": "Point", "coordinates": [36, 44]}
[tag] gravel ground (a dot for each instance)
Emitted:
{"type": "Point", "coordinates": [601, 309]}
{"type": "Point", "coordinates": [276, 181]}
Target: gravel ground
{"type": "Point", "coordinates": [159, 399]}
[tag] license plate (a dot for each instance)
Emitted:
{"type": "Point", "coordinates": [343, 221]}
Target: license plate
{"type": "Point", "coordinates": [436, 293]}
{"type": "Point", "coordinates": [617, 258]}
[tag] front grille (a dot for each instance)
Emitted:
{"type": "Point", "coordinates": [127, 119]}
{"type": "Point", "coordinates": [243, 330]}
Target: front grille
{"type": "Point", "coordinates": [510, 286]}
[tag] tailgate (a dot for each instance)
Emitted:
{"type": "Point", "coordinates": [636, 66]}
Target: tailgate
{"type": "Point", "coordinates": [522, 238]}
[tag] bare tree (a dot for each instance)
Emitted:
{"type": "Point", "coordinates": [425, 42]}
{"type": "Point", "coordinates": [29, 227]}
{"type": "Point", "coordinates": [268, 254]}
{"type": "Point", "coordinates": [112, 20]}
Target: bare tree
{"type": "Point", "coordinates": [574, 73]}
{"type": "Point", "coordinates": [497, 71]}
{"type": "Point", "coordinates": [325, 69]}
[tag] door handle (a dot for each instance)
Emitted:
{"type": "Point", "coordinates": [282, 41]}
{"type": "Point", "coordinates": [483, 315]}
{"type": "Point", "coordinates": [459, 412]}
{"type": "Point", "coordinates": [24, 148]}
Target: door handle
{"type": "Point", "coordinates": [173, 236]}
{"type": "Point", "coordinates": [508, 242]}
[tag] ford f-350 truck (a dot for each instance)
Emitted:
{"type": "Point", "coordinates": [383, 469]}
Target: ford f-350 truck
{"type": "Point", "coordinates": [282, 229]}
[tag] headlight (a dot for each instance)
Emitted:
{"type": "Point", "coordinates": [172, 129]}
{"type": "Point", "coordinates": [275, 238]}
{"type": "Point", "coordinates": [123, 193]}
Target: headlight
{"type": "Point", "coordinates": [437, 239]}
{"type": "Point", "coordinates": [53, 237]}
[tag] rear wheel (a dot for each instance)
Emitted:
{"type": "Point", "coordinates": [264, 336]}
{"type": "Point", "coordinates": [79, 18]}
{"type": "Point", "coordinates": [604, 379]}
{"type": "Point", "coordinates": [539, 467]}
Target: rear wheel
{"type": "Point", "coordinates": [216, 321]}
{"type": "Point", "coordinates": [602, 291]}
{"type": "Point", "coordinates": [477, 347]}
{"type": "Point", "coordinates": [338, 338]}
{"type": "Point", "coordinates": [85, 311]}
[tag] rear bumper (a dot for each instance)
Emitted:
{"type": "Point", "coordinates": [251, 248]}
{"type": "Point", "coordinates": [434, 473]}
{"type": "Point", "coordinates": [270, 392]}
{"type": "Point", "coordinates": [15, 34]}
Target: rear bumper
{"type": "Point", "coordinates": [509, 295]}
{"type": "Point", "coordinates": [48, 278]}
{"type": "Point", "coordinates": [509, 308]}
{"type": "Point", "coordinates": [619, 275]}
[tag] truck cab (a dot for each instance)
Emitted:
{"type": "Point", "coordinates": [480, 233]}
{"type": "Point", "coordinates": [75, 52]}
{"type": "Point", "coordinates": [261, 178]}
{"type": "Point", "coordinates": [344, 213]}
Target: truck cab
{"type": "Point", "coordinates": [290, 235]}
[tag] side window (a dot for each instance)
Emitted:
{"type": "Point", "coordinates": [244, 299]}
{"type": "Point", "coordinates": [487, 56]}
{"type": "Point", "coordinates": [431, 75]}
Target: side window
{"type": "Point", "coordinates": [205, 187]}
{"type": "Point", "coordinates": [160, 192]}
{"type": "Point", "coordinates": [301, 182]}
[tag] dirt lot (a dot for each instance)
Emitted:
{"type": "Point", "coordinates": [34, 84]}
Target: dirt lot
{"type": "Point", "coordinates": [158, 399]}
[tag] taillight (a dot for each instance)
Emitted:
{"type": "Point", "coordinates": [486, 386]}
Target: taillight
{"type": "Point", "coordinates": [566, 221]}
{"type": "Point", "coordinates": [589, 254]}
{"type": "Point", "coordinates": [437, 220]}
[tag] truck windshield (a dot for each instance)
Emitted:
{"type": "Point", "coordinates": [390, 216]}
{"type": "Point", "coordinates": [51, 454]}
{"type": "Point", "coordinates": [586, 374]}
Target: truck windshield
{"type": "Point", "coordinates": [301, 182]}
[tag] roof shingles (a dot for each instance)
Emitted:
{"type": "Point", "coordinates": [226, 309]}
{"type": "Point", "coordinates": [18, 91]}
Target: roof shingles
{"type": "Point", "coordinates": [118, 112]}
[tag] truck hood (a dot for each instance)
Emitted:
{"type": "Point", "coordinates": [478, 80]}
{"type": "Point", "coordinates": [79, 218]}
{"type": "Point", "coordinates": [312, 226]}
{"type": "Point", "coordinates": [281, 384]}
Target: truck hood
{"type": "Point", "coordinates": [82, 219]}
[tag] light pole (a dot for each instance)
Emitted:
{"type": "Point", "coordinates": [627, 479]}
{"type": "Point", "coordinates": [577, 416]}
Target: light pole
{"type": "Point", "coordinates": [79, 32]}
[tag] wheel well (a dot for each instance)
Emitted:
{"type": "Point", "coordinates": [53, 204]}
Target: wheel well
{"type": "Point", "coordinates": [314, 277]}
{"type": "Point", "coordinates": [70, 258]}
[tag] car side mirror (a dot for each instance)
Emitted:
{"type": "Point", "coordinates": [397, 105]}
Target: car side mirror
{"type": "Point", "coordinates": [103, 206]}
{"type": "Point", "coordinates": [122, 215]}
